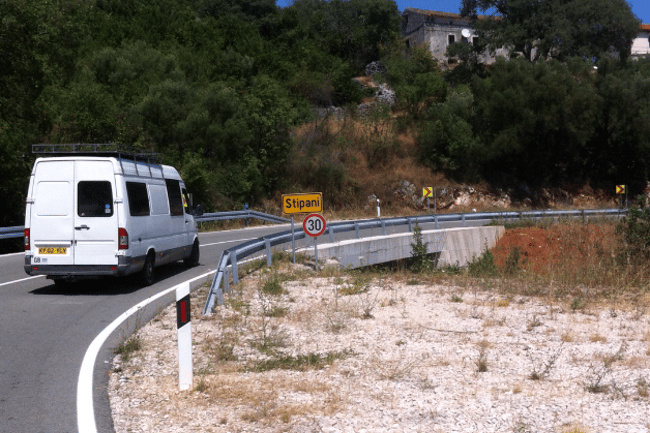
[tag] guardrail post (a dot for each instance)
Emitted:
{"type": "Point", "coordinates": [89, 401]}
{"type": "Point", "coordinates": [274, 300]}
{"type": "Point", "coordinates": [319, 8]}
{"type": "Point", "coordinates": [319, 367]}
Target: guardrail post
{"type": "Point", "coordinates": [383, 228]}
{"type": "Point", "coordinates": [233, 262]}
{"type": "Point", "coordinates": [331, 231]}
{"type": "Point", "coordinates": [267, 242]}
{"type": "Point", "coordinates": [435, 220]}
{"type": "Point", "coordinates": [463, 218]}
{"type": "Point", "coordinates": [356, 229]}
{"type": "Point", "coordinates": [410, 225]}
{"type": "Point", "coordinates": [226, 280]}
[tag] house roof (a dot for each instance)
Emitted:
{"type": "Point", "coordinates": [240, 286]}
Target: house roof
{"type": "Point", "coordinates": [645, 27]}
{"type": "Point", "coordinates": [442, 14]}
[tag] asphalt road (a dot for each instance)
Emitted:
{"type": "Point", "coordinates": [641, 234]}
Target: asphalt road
{"type": "Point", "coordinates": [45, 332]}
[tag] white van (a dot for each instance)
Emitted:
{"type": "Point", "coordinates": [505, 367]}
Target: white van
{"type": "Point", "coordinates": [98, 209]}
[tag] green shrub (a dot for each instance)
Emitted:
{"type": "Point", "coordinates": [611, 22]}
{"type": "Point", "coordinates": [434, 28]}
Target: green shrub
{"type": "Point", "coordinates": [272, 286]}
{"type": "Point", "coordinates": [419, 260]}
{"type": "Point", "coordinates": [483, 266]}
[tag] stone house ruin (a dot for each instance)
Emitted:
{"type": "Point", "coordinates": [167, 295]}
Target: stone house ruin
{"type": "Point", "coordinates": [641, 45]}
{"type": "Point", "coordinates": [438, 30]}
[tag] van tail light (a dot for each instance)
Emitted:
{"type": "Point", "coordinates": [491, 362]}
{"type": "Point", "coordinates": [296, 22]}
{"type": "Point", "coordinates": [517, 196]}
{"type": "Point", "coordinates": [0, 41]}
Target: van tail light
{"type": "Point", "coordinates": [27, 240]}
{"type": "Point", "coordinates": [123, 237]}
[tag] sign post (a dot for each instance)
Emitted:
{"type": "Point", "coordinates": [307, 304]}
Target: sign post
{"type": "Point", "coordinates": [427, 192]}
{"type": "Point", "coordinates": [184, 331]}
{"type": "Point", "coordinates": [314, 225]}
{"type": "Point", "coordinates": [620, 191]}
{"type": "Point", "coordinates": [301, 203]}
{"type": "Point", "coordinates": [293, 241]}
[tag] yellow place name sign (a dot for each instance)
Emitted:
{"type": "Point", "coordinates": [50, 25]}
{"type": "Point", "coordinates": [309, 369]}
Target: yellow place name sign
{"type": "Point", "coordinates": [302, 203]}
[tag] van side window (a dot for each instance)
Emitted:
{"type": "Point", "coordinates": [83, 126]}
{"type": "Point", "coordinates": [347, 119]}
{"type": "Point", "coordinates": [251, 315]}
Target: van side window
{"type": "Point", "coordinates": [186, 201]}
{"type": "Point", "coordinates": [94, 199]}
{"type": "Point", "coordinates": [138, 198]}
{"type": "Point", "coordinates": [175, 199]}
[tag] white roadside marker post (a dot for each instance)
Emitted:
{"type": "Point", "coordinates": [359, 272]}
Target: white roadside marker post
{"type": "Point", "coordinates": [184, 330]}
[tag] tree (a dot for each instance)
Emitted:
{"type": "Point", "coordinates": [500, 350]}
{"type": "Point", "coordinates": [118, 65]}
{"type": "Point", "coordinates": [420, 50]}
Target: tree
{"type": "Point", "coordinates": [415, 76]}
{"type": "Point", "coordinates": [248, 10]}
{"type": "Point", "coordinates": [353, 30]}
{"type": "Point", "coordinates": [447, 140]}
{"type": "Point", "coordinates": [38, 47]}
{"type": "Point", "coordinates": [542, 29]}
{"type": "Point", "coordinates": [619, 151]}
{"type": "Point", "coordinates": [535, 119]}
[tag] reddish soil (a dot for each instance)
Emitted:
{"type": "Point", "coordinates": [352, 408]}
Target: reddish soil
{"type": "Point", "coordinates": [534, 247]}
{"type": "Point", "coordinates": [540, 249]}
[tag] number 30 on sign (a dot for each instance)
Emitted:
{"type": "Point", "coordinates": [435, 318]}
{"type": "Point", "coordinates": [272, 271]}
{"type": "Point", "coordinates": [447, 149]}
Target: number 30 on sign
{"type": "Point", "coordinates": [314, 224]}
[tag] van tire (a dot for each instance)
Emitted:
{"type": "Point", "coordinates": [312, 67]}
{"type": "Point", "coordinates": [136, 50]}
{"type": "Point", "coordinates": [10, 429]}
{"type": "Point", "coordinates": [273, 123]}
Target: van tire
{"type": "Point", "coordinates": [193, 259]}
{"type": "Point", "coordinates": [148, 275]}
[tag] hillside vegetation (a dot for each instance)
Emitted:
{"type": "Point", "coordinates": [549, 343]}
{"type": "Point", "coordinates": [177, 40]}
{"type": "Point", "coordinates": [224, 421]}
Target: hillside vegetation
{"type": "Point", "coordinates": [226, 91]}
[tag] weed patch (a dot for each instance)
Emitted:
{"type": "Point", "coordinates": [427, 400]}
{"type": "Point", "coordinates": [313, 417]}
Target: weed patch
{"type": "Point", "coordinates": [312, 361]}
{"type": "Point", "coordinates": [128, 348]}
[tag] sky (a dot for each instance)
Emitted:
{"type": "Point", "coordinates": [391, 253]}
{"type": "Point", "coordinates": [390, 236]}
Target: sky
{"type": "Point", "coordinates": [641, 8]}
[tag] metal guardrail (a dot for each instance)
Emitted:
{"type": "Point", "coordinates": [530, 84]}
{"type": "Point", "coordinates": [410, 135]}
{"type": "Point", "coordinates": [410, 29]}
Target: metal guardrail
{"type": "Point", "coordinates": [245, 214]}
{"type": "Point", "coordinates": [231, 256]}
{"type": "Point", "coordinates": [12, 232]}
{"type": "Point", "coordinates": [19, 231]}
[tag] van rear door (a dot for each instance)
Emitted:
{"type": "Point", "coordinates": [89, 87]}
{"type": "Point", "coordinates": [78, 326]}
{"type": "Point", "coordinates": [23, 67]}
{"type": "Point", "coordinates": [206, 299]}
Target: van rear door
{"type": "Point", "coordinates": [95, 216]}
{"type": "Point", "coordinates": [52, 213]}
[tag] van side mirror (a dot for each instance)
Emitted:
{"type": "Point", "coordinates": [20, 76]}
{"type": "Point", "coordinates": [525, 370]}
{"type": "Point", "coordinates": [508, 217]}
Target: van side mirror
{"type": "Point", "coordinates": [198, 210]}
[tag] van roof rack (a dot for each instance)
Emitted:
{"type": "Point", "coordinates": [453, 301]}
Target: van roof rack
{"type": "Point", "coordinates": [97, 149]}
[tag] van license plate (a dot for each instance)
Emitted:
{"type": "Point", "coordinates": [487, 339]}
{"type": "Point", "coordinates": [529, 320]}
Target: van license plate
{"type": "Point", "coordinates": [53, 250]}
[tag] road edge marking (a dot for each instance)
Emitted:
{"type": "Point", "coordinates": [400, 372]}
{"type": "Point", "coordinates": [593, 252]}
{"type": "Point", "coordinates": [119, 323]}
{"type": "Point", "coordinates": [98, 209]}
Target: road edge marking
{"type": "Point", "coordinates": [22, 279]}
{"type": "Point", "coordinates": [85, 404]}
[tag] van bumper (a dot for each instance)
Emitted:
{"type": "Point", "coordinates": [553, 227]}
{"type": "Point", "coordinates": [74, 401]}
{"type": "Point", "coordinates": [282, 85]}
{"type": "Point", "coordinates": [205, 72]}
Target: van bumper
{"type": "Point", "coordinates": [125, 266]}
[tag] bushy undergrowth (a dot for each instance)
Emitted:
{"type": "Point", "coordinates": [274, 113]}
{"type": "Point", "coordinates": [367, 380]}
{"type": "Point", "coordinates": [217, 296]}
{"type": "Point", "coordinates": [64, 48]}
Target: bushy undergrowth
{"type": "Point", "coordinates": [582, 262]}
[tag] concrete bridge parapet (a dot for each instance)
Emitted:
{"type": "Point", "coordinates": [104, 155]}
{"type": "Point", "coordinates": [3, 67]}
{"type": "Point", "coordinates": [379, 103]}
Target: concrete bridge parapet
{"type": "Point", "coordinates": [456, 247]}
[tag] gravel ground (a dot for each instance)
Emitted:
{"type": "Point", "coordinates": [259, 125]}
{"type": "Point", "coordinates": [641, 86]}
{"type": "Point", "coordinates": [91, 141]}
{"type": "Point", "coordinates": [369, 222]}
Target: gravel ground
{"type": "Point", "coordinates": [388, 356]}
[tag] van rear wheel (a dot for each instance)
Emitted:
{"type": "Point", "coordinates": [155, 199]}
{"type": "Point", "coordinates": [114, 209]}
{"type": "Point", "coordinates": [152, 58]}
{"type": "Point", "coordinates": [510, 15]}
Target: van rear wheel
{"type": "Point", "coordinates": [193, 259]}
{"type": "Point", "coordinates": [148, 276]}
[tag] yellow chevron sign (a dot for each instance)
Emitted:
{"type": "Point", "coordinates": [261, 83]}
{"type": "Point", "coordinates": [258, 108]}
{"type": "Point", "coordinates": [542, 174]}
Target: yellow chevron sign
{"type": "Point", "coordinates": [427, 192]}
{"type": "Point", "coordinates": [620, 189]}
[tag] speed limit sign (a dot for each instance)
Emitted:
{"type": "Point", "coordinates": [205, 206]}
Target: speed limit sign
{"type": "Point", "coordinates": [314, 225]}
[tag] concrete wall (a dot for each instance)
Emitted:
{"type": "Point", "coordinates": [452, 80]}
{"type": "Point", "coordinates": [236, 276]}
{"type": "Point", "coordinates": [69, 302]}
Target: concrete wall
{"type": "Point", "coordinates": [457, 246]}
{"type": "Point", "coordinates": [641, 44]}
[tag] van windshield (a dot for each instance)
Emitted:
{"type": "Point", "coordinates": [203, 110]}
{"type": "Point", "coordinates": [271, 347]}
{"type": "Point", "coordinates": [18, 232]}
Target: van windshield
{"type": "Point", "coordinates": [94, 199]}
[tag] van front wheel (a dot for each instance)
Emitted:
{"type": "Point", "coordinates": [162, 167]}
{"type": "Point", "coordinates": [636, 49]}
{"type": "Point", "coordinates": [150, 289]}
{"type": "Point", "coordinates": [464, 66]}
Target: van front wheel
{"type": "Point", "coordinates": [193, 259]}
{"type": "Point", "coordinates": [148, 276]}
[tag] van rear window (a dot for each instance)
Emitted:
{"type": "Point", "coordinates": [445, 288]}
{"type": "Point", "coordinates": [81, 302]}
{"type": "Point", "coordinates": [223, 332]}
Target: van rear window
{"type": "Point", "coordinates": [138, 198]}
{"type": "Point", "coordinates": [94, 199]}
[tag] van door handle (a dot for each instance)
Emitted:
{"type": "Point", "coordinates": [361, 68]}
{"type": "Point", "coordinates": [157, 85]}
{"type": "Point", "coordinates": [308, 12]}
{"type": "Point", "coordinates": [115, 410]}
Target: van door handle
{"type": "Point", "coordinates": [83, 227]}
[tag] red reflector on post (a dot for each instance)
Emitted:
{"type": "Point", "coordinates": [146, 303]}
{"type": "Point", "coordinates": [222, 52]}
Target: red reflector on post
{"type": "Point", "coordinates": [183, 311]}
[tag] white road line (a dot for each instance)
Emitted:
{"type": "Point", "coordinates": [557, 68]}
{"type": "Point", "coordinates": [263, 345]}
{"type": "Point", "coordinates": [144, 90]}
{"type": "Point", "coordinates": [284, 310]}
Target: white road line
{"type": "Point", "coordinates": [22, 253]}
{"type": "Point", "coordinates": [22, 279]}
{"type": "Point", "coordinates": [85, 407]}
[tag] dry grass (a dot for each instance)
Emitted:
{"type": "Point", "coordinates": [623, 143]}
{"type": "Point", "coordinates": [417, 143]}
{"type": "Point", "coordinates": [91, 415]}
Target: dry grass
{"type": "Point", "coordinates": [374, 158]}
{"type": "Point", "coordinates": [579, 264]}
{"type": "Point", "coordinates": [264, 384]}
